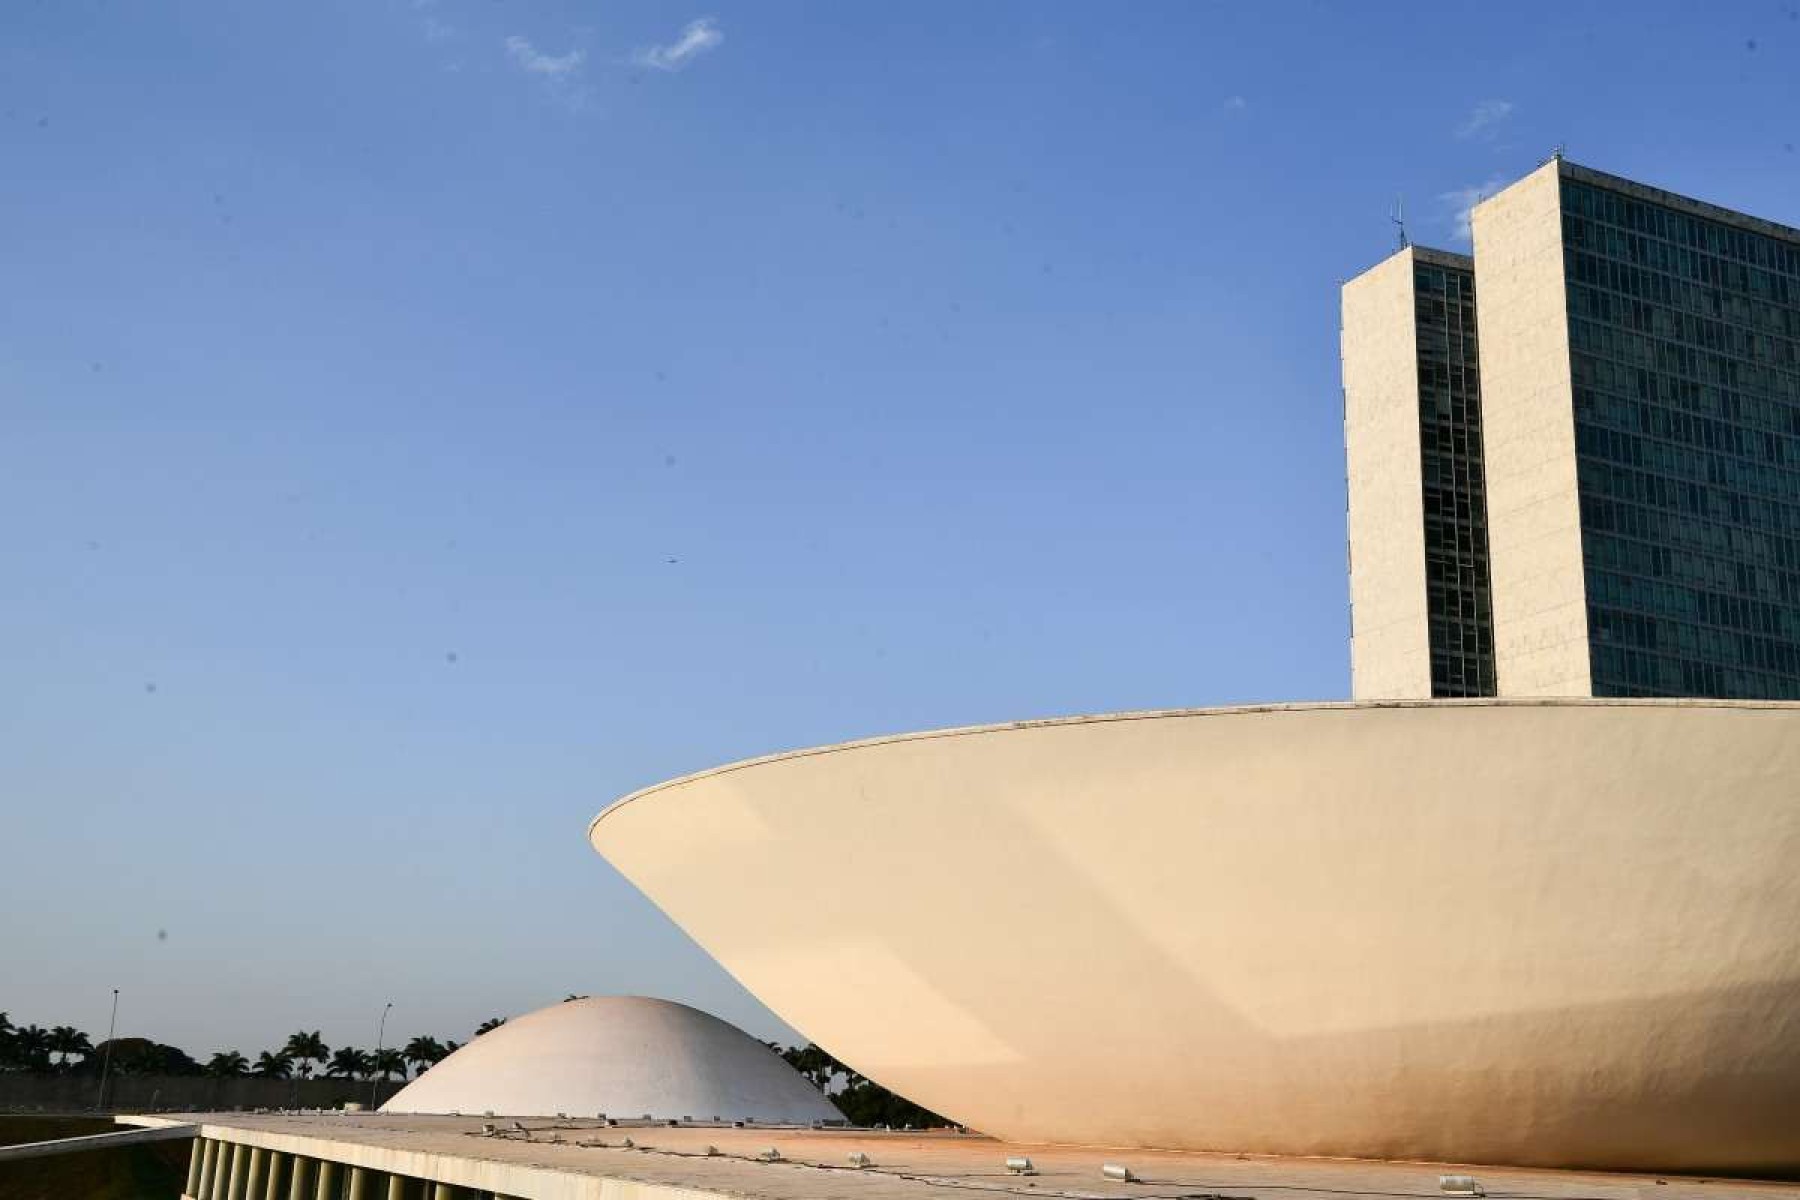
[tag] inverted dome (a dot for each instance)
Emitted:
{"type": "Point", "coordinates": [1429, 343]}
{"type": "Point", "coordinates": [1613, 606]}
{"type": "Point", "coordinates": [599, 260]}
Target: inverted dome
{"type": "Point", "coordinates": [620, 1055]}
{"type": "Point", "coordinates": [1547, 932]}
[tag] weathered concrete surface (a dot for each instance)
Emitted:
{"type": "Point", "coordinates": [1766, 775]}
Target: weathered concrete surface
{"type": "Point", "coordinates": [672, 1164]}
{"type": "Point", "coordinates": [1547, 932]}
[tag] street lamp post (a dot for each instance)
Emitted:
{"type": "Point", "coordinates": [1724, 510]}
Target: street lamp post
{"type": "Point", "coordinates": [375, 1068]}
{"type": "Point", "coordinates": [106, 1061]}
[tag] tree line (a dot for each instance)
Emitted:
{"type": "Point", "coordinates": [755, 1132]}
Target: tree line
{"type": "Point", "coordinates": [65, 1049]}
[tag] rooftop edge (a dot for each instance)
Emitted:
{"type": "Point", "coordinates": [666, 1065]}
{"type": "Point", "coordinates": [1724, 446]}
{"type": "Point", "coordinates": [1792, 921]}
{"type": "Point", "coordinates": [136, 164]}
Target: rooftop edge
{"type": "Point", "coordinates": [1160, 714]}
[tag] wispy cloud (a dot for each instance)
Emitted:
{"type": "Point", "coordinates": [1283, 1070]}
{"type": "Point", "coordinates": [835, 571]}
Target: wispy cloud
{"type": "Point", "coordinates": [697, 37]}
{"type": "Point", "coordinates": [435, 30]}
{"type": "Point", "coordinates": [552, 66]}
{"type": "Point", "coordinates": [1485, 119]}
{"type": "Point", "coordinates": [1462, 200]}
{"type": "Point", "coordinates": [1236, 104]}
{"type": "Point", "coordinates": [560, 74]}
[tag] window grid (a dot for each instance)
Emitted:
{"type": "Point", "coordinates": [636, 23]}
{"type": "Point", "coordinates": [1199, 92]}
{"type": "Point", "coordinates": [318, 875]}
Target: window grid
{"type": "Point", "coordinates": [1685, 365]}
{"type": "Point", "coordinates": [1454, 494]}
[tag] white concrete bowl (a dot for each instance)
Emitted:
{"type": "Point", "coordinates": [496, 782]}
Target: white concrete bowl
{"type": "Point", "coordinates": [1555, 932]}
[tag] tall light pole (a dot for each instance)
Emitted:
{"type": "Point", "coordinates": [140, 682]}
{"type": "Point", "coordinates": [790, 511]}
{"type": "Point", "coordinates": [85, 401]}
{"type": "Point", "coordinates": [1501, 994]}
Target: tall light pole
{"type": "Point", "coordinates": [375, 1069]}
{"type": "Point", "coordinates": [106, 1062]}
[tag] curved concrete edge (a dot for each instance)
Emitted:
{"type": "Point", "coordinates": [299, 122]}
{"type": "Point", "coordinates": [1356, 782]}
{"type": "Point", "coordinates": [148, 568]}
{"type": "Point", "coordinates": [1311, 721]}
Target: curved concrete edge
{"type": "Point", "coordinates": [1161, 714]}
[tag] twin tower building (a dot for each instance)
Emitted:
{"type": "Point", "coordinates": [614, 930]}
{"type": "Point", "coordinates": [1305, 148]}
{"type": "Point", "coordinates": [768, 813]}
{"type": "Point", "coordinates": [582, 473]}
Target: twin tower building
{"type": "Point", "coordinates": [1574, 458]}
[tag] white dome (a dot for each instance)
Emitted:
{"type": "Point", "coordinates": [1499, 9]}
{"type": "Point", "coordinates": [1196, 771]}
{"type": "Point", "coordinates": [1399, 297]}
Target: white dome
{"type": "Point", "coordinates": [619, 1055]}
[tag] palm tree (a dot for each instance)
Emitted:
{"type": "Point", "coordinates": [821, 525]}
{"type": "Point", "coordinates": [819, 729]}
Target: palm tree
{"type": "Point", "coordinates": [227, 1064]}
{"type": "Point", "coordinates": [66, 1040]}
{"type": "Point", "coordinates": [306, 1049]}
{"type": "Point", "coordinates": [31, 1048]}
{"type": "Point", "coordinates": [387, 1063]}
{"type": "Point", "coordinates": [489, 1025]}
{"type": "Point", "coordinates": [423, 1052]}
{"type": "Point", "coordinates": [273, 1065]}
{"type": "Point", "coordinates": [347, 1062]}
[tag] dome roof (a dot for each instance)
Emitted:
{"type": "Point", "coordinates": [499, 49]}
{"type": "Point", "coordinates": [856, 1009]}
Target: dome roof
{"type": "Point", "coordinates": [619, 1055]}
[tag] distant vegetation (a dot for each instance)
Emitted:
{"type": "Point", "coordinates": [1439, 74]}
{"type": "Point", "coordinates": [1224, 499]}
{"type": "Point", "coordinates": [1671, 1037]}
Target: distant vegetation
{"type": "Point", "coordinates": [861, 1100]}
{"type": "Point", "coordinates": [66, 1050]}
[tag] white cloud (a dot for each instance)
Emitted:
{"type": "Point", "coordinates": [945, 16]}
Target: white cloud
{"type": "Point", "coordinates": [1462, 200]}
{"type": "Point", "coordinates": [1236, 104]}
{"type": "Point", "coordinates": [559, 66]}
{"type": "Point", "coordinates": [697, 37]}
{"type": "Point", "coordinates": [1485, 120]}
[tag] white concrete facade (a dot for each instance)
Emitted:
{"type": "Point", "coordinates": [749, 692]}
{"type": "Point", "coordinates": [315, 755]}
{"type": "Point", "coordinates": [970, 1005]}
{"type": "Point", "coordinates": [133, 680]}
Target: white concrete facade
{"type": "Point", "coordinates": [1538, 582]}
{"type": "Point", "coordinates": [1553, 933]}
{"type": "Point", "coordinates": [1390, 636]}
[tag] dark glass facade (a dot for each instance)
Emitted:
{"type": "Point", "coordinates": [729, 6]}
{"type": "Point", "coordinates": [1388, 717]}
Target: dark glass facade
{"type": "Point", "coordinates": [1456, 564]}
{"type": "Point", "coordinates": [1684, 336]}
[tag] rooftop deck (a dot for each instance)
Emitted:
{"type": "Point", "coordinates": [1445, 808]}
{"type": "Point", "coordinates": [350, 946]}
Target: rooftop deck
{"type": "Point", "coordinates": [554, 1158]}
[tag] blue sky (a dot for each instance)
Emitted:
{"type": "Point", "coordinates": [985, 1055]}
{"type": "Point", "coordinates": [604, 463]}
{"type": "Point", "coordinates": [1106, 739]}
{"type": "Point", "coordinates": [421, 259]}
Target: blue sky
{"type": "Point", "coordinates": [423, 423]}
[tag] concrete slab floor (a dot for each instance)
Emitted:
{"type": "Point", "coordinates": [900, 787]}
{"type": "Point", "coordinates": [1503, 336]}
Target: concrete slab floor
{"type": "Point", "coordinates": [815, 1164]}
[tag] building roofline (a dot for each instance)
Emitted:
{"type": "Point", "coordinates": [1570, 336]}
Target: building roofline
{"type": "Point", "coordinates": [1440, 258]}
{"type": "Point", "coordinates": [1444, 258]}
{"type": "Point", "coordinates": [1686, 204]}
{"type": "Point", "coordinates": [1221, 712]}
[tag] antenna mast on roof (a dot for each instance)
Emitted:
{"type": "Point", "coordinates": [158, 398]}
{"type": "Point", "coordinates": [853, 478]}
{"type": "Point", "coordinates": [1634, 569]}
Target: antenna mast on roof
{"type": "Point", "coordinates": [1398, 217]}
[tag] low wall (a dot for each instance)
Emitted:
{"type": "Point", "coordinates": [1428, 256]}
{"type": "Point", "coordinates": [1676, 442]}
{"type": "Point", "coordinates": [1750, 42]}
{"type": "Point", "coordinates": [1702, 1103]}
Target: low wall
{"type": "Point", "coordinates": [181, 1093]}
{"type": "Point", "coordinates": [153, 1172]}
